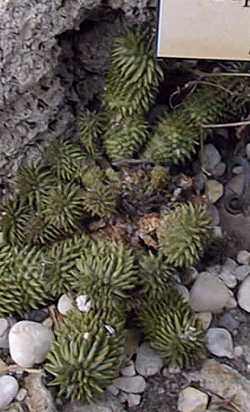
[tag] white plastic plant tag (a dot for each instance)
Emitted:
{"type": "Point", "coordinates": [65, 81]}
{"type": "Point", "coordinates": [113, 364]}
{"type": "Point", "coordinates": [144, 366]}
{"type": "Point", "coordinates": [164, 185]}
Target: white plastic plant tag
{"type": "Point", "coordinates": [204, 29]}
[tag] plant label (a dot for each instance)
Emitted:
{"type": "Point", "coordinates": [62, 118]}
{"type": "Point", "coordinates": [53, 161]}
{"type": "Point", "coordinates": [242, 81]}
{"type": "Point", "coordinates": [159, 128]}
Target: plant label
{"type": "Point", "coordinates": [204, 29]}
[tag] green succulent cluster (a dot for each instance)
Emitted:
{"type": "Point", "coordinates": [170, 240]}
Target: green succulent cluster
{"type": "Point", "coordinates": [183, 234]}
{"type": "Point", "coordinates": [87, 353]}
{"type": "Point", "coordinates": [172, 329]}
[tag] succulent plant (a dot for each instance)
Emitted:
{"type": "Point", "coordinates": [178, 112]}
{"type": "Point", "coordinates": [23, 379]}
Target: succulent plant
{"type": "Point", "coordinates": [156, 276]}
{"type": "Point", "coordinates": [14, 219]}
{"type": "Point", "coordinates": [159, 178]}
{"type": "Point", "coordinates": [99, 200]}
{"type": "Point", "coordinates": [183, 233]}
{"type": "Point", "coordinates": [106, 272]}
{"type": "Point", "coordinates": [62, 206]}
{"type": "Point", "coordinates": [64, 159]}
{"type": "Point", "coordinates": [87, 354]}
{"type": "Point", "coordinates": [124, 138]}
{"type": "Point", "coordinates": [134, 76]}
{"type": "Point", "coordinates": [23, 285]}
{"type": "Point", "coordinates": [91, 125]}
{"type": "Point", "coordinates": [172, 329]}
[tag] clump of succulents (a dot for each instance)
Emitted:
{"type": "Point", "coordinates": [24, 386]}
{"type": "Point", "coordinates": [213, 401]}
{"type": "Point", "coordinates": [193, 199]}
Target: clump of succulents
{"type": "Point", "coordinates": [172, 329]}
{"type": "Point", "coordinates": [183, 233]}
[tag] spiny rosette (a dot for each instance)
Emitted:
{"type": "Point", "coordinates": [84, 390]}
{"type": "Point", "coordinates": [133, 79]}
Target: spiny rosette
{"type": "Point", "coordinates": [125, 138]}
{"type": "Point", "coordinates": [100, 200]}
{"type": "Point", "coordinates": [86, 356]}
{"type": "Point", "coordinates": [91, 126]}
{"type": "Point", "coordinates": [173, 330]}
{"type": "Point", "coordinates": [134, 76]}
{"type": "Point", "coordinates": [23, 285]}
{"type": "Point", "coordinates": [155, 276]}
{"type": "Point", "coordinates": [183, 234]}
{"type": "Point", "coordinates": [14, 218]}
{"type": "Point", "coordinates": [107, 270]}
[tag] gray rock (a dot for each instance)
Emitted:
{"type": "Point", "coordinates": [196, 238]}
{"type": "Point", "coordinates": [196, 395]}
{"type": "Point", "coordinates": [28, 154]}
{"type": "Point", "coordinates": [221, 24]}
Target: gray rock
{"type": "Point", "coordinates": [228, 321]}
{"type": "Point", "coordinates": [244, 294]}
{"type": "Point", "coordinates": [208, 294]}
{"type": "Point", "coordinates": [64, 304]}
{"type": "Point", "coordinates": [8, 390]}
{"type": "Point", "coordinates": [29, 343]}
{"type": "Point", "coordinates": [214, 190]}
{"type": "Point", "coordinates": [148, 362]}
{"type": "Point", "coordinates": [205, 318]}
{"type": "Point", "coordinates": [228, 278]}
{"type": "Point", "coordinates": [226, 382]}
{"type": "Point", "coordinates": [133, 384]}
{"type": "Point", "coordinates": [214, 213]}
{"type": "Point", "coordinates": [242, 272]}
{"type": "Point", "coordinates": [133, 400]}
{"type": "Point", "coordinates": [107, 403]}
{"type": "Point", "coordinates": [220, 343]}
{"type": "Point", "coordinates": [192, 400]}
{"type": "Point", "coordinates": [243, 257]}
{"type": "Point", "coordinates": [229, 265]}
{"type": "Point", "coordinates": [39, 398]}
{"type": "Point", "coordinates": [129, 370]}
{"type": "Point", "coordinates": [22, 393]}
{"type": "Point", "coordinates": [219, 170]}
{"type": "Point", "coordinates": [210, 157]}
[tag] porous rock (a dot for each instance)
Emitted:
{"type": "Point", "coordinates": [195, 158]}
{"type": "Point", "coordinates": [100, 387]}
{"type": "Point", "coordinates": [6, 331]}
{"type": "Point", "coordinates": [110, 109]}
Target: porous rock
{"type": "Point", "coordinates": [29, 343]}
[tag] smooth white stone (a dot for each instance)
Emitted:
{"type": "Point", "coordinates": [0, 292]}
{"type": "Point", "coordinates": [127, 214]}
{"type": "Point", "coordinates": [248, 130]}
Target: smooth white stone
{"type": "Point", "coordinates": [192, 400]}
{"type": "Point", "coordinates": [220, 342]}
{"type": "Point", "coordinates": [148, 362]}
{"type": "Point", "coordinates": [29, 343]}
{"type": "Point", "coordinates": [8, 390]}
{"type": "Point", "coordinates": [133, 384]}
{"type": "Point", "coordinates": [83, 303]}
{"type": "Point", "coordinates": [243, 257]}
{"type": "Point", "coordinates": [64, 304]}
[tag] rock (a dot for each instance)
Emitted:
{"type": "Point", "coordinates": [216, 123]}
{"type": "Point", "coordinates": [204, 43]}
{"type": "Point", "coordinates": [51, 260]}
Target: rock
{"type": "Point", "coordinates": [238, 351]}
{"type": "Point", "coordinates": [39, 398]}
{"type": "Point", "coordinates": [220, 343]}
{"type": "Point", "coordinates": [4, 333]}
{"type": "Point", "coordinates": [230, 265]}
{"type": "Point", "coordinates": [113, 390]}
{"type": "Point", "coordinates": [226, 382]}
{"type": "Point", "coordinates": [243, 257]}
{"type": "Point", "coordinates": [214, 190]}
{"type": "Point", "coordinates": [8, 390]}
{"type": "Point", "coordinates": [133, 400]}
{"type": "Point", "coordinates": [148, 362]}
{"type": "Point", "coordinates": [214, 214]}
{"type": "Point", "coordinates": [205, 318]}
{"type": "Point", "coordinates": [192, 400]}
{"type": "Point", "coordinates": [208, 294]}
{"type": "Point", "coordinates": [129, 370]}
{"type": "Point", "coordinates": [228, 321]}
{"type": "Point", "coordinates": [64, 304]}
{"type": "Point", "coordinates": [242, 272]}
{"type": "Point", "coordinates": [107, 403]}
{"type": "Point", "coordinates": [29, 343]}
{"type": "Point", "coordinates": [243, 295]}
{"type": "Point", "coordinates": [231, 303]}
{"type": "Point", "coordinates": [210, 157]}
{"type": "Point", "coordinates": [228, 278]}
{"type": "Point", "coordinates": [133, 384]}
{"type": "Point", "coordinates": [22, 393]}
{"type": "Point", "coordinates": [237, 170]}
{"type": "Point", "coordinates": [219, 170]}
{"type": "Point", "coordinates": [83, 303]}
{"type": "Point", "coordinates": [248, 150]}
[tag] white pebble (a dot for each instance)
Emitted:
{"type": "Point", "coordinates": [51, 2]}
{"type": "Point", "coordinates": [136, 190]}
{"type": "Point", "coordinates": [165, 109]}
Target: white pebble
{"type": "Point", "coordinates": [228, 278]}
{"type": "Point", "coordinates": [238, 351]}
{"type": "Point", "coordinates": [133, 384]}
{"type": "Point", "coordinates": [8, 390]}
{"type": "Point", "coordinates": [148, 361]}
{"type": "Point", "coordinates": [243, 257]}
{"type": "Point", "coordinates": [192, 400]}
{"type": "Point", "coordinates": [242, 272]}
{"type": "Point", "coordinates": [65, 304]}
{"type": "Point", "coordinates": [220, 342]}
{"type": "Point", "coordinates": [21, 394]}
{"type": "Point", "coordinates": [129, 370]}
{"type": "Point", "coordinates": [83, 303]}
{"type": "Point", "coordinates": [244, 294]}
{"type": "Point", "coordinates": [29, 343]}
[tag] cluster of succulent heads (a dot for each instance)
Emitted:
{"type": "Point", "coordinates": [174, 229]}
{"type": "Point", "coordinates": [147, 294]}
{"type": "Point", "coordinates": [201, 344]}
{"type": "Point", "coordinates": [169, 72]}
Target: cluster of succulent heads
{"type": "Point", "coordinates": [47, 249]}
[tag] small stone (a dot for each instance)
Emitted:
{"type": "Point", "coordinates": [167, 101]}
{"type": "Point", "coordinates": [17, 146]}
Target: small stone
{"type": "Point", "coordinates": [214, 214]}
{"type": "Point", "coordinates": [173, 370]}
{"type": "Point", "coordinates": [113, 389]}
{"type": "Point", "coordinates": [217, 232]}
{"type": "Point", "coordinates": [208, 294]}
{"type": "Point", "coordinates": [243, 257]}
{"type": "Point", "coordinates": [133, 384]}
{"type": "Point", "coordinates": [242, 272]}
{"type": "Point", "coordinates": [4, 332]}
{"type": "Point", "coordinates": [237, 170]}
{"type": "Point", "coordinates": [22, 393]}
{"type": "Point", "coordinates": [219, 170]}
{"type": "Point", "coordinates": [205, 318]}
{"type": "Point", "coordinates": [210, 157]}
{"type": "Point", "coordinates": [65, 304]}
{"type": "Point", "coordinates": [192, 400]}
{"type": "Point", "coordinates": [244, 294]}
{"type": "Point", "coordinates": [229, 265]}
{"type": "Point", "coordinates": [231, 303]}
{"type": "Point", "coordinates": [83, 303]}
{"type": "Point", "coordinates": [238, 351]}
{"type": "Point", "coordinates": [106, 403]}
{"type": "Point", "coordinates": [228, 321]}
{"type": "Point", "coordinates": [29, 343]}
{"type": "Point", "coordinates": [248, 150]}
{"type": "Point", "coordinates": [133, 400]}
{"type": "Point", "coordinates": [214, 190]}
{"type": "Point", "coordinates": [148, 362]}
{"type": "Point", "coordinates": [220, 343]}
{"type": "Point", "coordinates": [228, 278]}
{"type": "Point", "coordinates": [129, 370]}
{"type": "Point", "coordinates": [8, 390]}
